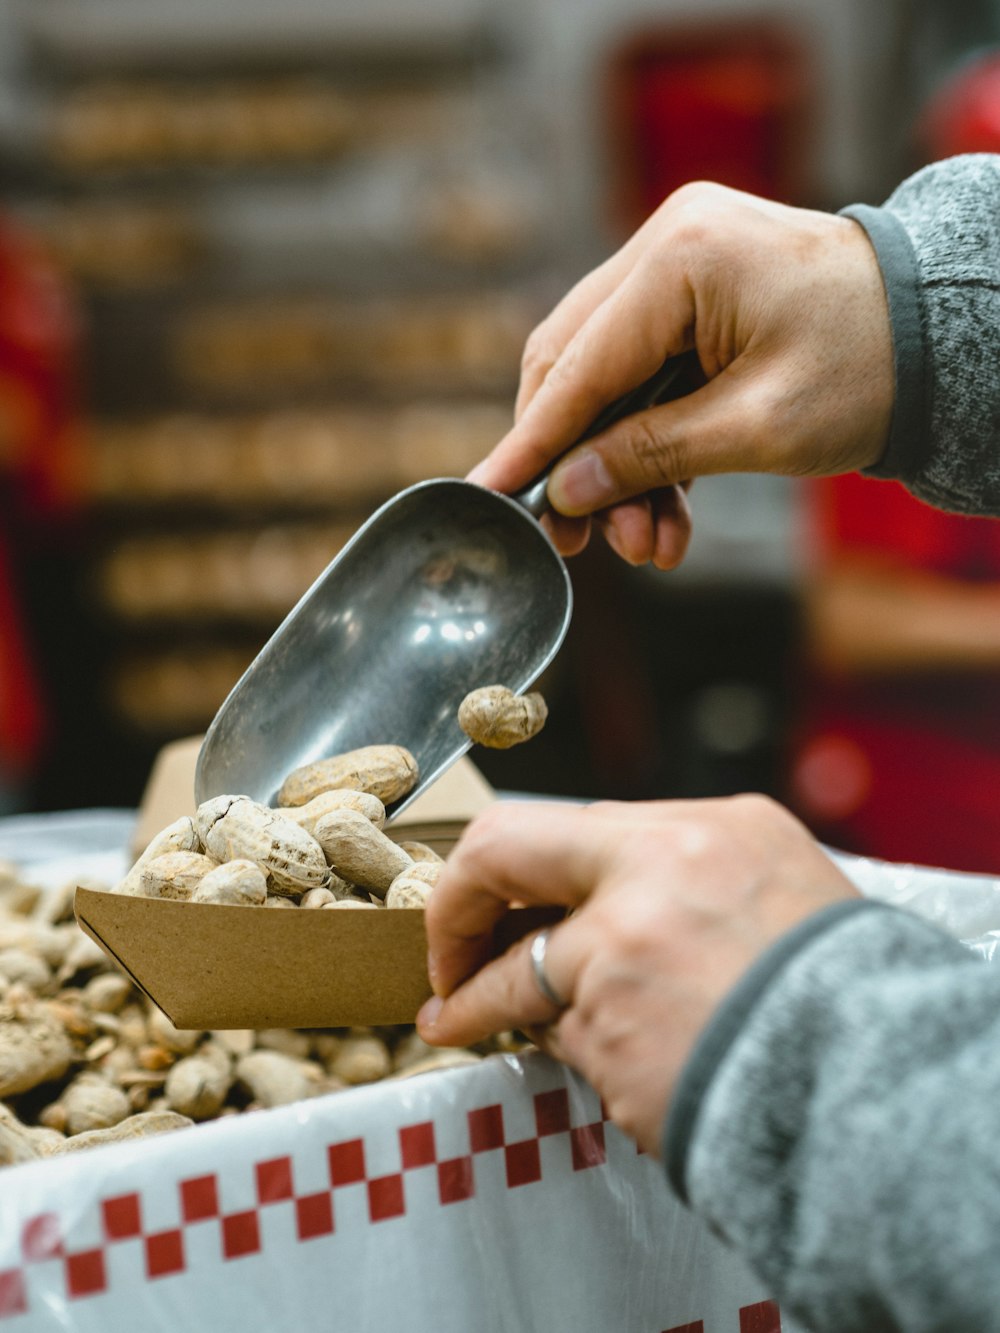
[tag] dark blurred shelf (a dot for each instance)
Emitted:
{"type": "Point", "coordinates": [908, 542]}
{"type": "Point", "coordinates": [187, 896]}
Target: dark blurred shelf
{"type": "Point", "coordinates": [143, 35]}
{"type": "Point", "coordinates": [277, 340]}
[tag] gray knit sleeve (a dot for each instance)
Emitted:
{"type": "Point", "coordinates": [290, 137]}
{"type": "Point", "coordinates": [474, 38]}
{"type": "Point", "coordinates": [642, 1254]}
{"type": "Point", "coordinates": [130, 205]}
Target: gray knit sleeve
{"type": "Point", "coordinates": [938, 243]}
{"type": "Point", "coordinates": [846, 1142]}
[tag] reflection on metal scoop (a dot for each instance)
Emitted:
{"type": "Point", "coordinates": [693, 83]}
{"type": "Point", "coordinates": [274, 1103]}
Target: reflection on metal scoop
{"type": "Point", "coordinates": [446, 588]}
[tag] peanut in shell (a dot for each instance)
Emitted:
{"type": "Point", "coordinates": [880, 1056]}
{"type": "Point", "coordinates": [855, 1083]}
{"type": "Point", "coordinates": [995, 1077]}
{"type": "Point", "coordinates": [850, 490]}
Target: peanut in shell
{"type": "Point", "coordinates": [34, 1048]}
{"type": "Point", "coordinates": [198, 1087]}
{"type": "Point", "coordinates": [290, 857]}
{"type": "Point", "coordinates": [385, 771]}
{"type": "Point", "coordinates": [337, 798]}
{"type": "Point", "coordinates": [496, 717]}
{"type": "Point", "coordinates": [405, 891]}
{"type": "Point", "coordinates": [180, 836]}
{"type": "Point", "coordinates": [173, 875]}
{"type": "Point", "coordinates": [414, 885]}
{"type": "Point", "coordinates": [239, 883]}
{"type": "Point", "coordinates": [359, 852]}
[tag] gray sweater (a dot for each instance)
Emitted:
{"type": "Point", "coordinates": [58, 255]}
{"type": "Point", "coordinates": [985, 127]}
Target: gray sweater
{"type": "Point", "coordinates": [839, 1119]}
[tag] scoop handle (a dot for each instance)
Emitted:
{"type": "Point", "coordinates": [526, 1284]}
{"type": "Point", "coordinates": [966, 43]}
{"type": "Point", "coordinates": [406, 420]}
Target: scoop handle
{"type": "Point", "coordinates": [677, 376]}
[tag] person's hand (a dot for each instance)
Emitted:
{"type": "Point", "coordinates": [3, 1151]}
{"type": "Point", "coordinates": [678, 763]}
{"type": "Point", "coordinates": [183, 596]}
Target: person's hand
{"type": "Point", "coordinates": [786, 310]}
{"type": "Point", "coordinates": [673, 902]}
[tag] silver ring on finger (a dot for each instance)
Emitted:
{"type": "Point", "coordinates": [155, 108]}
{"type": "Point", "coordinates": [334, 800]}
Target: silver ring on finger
{"type": "Point", "coordinates": [538, 947]}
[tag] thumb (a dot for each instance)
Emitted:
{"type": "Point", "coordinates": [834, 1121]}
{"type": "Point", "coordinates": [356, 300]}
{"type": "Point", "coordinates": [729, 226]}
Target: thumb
{"type": "Point", "coordinates": [725, 426]}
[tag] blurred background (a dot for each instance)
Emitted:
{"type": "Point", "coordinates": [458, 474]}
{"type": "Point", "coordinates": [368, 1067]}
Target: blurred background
{"type": "Point", "coordinates": [261, 266]}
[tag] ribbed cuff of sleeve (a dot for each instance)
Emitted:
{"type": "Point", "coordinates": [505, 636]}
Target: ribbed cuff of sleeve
{"type": "Point", "coordinates": [726, 1025]}
{"type": "Point", "coordinates": [909, 442]}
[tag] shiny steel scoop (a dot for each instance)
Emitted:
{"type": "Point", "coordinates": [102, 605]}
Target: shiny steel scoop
{"type": "Point", "coordinates": [446, 588]}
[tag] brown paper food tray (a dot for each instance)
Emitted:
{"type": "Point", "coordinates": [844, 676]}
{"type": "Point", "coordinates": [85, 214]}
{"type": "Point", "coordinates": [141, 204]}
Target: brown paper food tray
{"type": "Point", "coordinates": [209, 966]}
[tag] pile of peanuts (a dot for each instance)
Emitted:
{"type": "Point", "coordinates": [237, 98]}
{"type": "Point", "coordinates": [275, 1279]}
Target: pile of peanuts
{"type": "Point", "coordinates": [324, 846]}
{"type": "Point", "coordinates": [85, 1059]}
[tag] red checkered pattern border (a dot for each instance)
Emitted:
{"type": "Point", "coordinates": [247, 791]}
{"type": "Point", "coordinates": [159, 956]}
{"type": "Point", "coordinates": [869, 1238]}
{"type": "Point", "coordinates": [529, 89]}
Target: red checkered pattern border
{"type": "Point", "coordinates": [762, 1317]}
{"type": "Point", "coordinates": [121, 1216]}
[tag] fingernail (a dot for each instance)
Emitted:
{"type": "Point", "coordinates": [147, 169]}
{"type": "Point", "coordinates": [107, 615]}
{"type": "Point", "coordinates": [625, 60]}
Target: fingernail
{"type": "Point", "coordinates": [429, 1012]}
{"type": "Point", "coordinates": [581, 484]}
{"type": "Point", "coordinates": [614, 541]}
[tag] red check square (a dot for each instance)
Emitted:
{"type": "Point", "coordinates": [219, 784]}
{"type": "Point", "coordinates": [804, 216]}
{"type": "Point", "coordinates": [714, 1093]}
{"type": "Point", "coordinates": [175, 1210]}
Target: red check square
{"type": "Point", "coordinates": [455, 1180]}
{"type": "Point", "coordinates": [199, 1198]}
{"type": "Point", "coordinates": [764, 1317]}
{"type": "Point", "coordinates": [552, 1112]}
{"type": "Point", "coordinates": [165, 1253]}
{"type": "Point", "coordinates": [85, 1273]}
{"type": "Point", "coordinates": [697, 1327]}
{"type": "Point", "coordinates": [12, 1295]}
{"type": "Point", "coordinates": [385, 1198]}
{"type": "Point", "coordinates": [122, 1217]}
{"type": "Point", "coordinates": [587, 1145]}
{"type": "Point", "coordinates": [274, 1180]}
{"type": "Point", "coordinates": [41, 1238]}
{"type": "Point", "coordinates": [240, 1235]}
{"type": "Point", "coordinates": [416, 1144]}
{"type": "Point", "coordinates": [524, 1165]}
{"type": "Point", "coordinates": [314, 1215]}
{"type": "Point", "coordinates": [486, 1128]}
{"type": "Point", "coordinates": [347, 1162]}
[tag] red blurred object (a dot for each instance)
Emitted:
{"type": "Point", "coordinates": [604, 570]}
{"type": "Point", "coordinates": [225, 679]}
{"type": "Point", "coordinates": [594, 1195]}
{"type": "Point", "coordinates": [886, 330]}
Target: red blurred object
{"type": "Point", "coordinates": [905, 767]}
{"type": "Point", "coordinates": [727, 103]}
{"type": "Point", "coordinates": [964, 115]}
{"type": "Point", "coordinates": [39, 462]}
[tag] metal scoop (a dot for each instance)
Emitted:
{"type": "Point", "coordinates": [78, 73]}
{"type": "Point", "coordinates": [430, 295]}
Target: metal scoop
{"type": "Point", "coordinates": [446, 588]}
